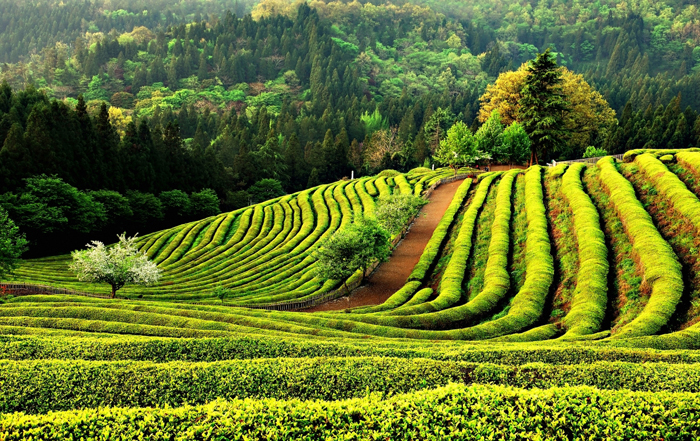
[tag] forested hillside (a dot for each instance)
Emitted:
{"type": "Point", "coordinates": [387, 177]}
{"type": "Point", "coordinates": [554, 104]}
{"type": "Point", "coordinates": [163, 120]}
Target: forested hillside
{"type": "Point", "coordinates": [34, 26]}
{"type": "Point", "coordinates": [146, 98]}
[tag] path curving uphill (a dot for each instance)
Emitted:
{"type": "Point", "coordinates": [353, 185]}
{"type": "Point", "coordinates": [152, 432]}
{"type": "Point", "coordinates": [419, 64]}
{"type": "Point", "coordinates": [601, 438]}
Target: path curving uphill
{"type": "Point", "coordinates": [392, 275]}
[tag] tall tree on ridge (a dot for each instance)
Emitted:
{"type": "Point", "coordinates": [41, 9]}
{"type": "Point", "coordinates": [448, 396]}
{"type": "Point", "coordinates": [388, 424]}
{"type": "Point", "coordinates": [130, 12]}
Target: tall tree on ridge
{"type": "Point", "coordinates": [543, 105]}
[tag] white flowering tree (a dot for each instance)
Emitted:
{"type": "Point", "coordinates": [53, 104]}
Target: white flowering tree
{"type": "Point", "coordinates": [117, 265]}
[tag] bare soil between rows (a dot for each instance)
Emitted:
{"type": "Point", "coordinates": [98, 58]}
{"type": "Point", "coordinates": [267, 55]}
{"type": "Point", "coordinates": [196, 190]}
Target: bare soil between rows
{"type": "Point", "coordinates": [390, 276]}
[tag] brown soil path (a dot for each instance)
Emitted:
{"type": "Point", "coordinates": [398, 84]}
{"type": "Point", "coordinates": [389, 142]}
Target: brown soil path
{"type": "Point", "coordinates": [391, 275]}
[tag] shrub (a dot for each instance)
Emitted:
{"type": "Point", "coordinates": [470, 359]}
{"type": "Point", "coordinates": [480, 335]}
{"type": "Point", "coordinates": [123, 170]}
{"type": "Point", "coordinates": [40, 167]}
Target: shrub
{"type": "Point", "coordinates": [395, 211]}
{"type": "Point", "coordinates": [661, 268]}
{"type": "Point", "coordinates": [589, 300]}
{"type": "Point", "coordinates": [204, 203]}
{"type": "Point", "coordinates": [266, 189]}
{"type": "Point", "coordinates": [453, 412]}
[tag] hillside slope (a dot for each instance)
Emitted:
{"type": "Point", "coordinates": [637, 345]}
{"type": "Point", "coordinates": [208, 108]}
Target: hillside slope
{"type": "Point", "coordinates": [576, 252]}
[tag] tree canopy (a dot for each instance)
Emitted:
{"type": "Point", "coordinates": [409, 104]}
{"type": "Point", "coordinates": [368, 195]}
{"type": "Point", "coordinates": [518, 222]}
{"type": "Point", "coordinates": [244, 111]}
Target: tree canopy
{"type": "Point", "coordinates": [587, 117]}
{"type": "Point", "coordinates": [351, 249]}
{"type": "Point", "coordinates": [12, 244]}
{"type": "Point", "coordinates": [459, 148]}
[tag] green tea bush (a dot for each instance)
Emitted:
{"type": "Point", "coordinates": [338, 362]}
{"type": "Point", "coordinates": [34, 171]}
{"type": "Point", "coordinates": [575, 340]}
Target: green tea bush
{"type": "Point", "coordinates": [662, 271]}
{"type": "Point", "coordinates": [671, 188]}
{"type": "Point", "coordinates": [53, 385]}
{"type": "Point", "coordinates": [450, 289]}
{"type": "Point", "coordinates": [455, 412]}
{"type": "Point", "coordinates": [631, 155]}
{"type": "Point", "coordinates": [589, 300]}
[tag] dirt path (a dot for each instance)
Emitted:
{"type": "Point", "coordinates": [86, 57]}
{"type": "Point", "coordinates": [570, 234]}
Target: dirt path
{"type": "Point", "coordinates": [391, 276]}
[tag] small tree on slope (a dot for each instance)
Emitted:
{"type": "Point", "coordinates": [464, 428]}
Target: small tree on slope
{"type": "Point", "coordinates": [117, 265]}
{"type": "Point", "coordinates": [459, 148]}
{"type": "Point", "coordinates": [353, 248]}
{"type": "Point", "coordinates": [12, 244]}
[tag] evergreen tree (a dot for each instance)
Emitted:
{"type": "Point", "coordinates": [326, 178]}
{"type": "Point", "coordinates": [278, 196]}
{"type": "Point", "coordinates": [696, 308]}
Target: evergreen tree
{"type": "Point", "coordinates": [542, 107]}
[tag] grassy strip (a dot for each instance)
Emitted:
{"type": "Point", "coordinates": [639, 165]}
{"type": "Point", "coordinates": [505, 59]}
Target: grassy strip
{"type": "Point", "coordinates": [177, 239]}
{"type": "Point", "coordinates": [528, 304]}
{"type": "Point", "coordinates": [566, 257]}
{"type": "Point", "coordinates": [371, 188]}
{"type": "Point", "coordinates": [187, 245]}
{"type": "Point", "coordinates": [672, 188]}
{"type": "Point", "coordinates": [589, 300]}
{"type": "Point", "coordinates": [397, 299]}
{"type": "Point", "coordinates": [473, 281]}
{"type": "Point", "coordinates": [631, 155]}
{"type": "Point", "coordinates": [382, 186]}
{"type": "Point", "coordinates": [368, 204]}
{"type": "Point", "coordinates": [403, 185]}
{"type": "Point", "coordinates": [418, 298]}
{"type": "Point", "coordinates": [453, 412]}
{"type": "Point", "coordinates": [196, 258]}
{"type": "Point", "coordinates": [660, 266]}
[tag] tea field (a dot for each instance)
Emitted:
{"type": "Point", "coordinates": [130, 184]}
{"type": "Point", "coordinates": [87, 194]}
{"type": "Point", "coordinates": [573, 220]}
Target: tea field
{"type": "Point", "coordinates": [550, 303]}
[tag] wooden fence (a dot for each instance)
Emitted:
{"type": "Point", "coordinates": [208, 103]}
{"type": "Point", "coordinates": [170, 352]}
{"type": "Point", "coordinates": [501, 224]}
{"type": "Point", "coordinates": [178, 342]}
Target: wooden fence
{"type": "Point", "coordinates": [26, 289]}
{"type": "Point", "coordinates": [587, 160]}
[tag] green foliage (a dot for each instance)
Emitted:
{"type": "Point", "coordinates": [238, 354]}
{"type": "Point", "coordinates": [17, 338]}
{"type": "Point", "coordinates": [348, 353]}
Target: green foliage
{"type": "Point", "coordinates": [660, 265]}
{"type": "Point", "coordinates": [580, 412]}
{"type": "Point", "coordinates": [516, 144]}
{"type": "Point", "coordinates": [432, 249]}
{"type": "Point", "coordinates": [204, 203]}
{"type": "Point", "coordinates": [12, 245]}
{"type": "Point", "coordinates": [146, 384]}
{"type": "Point", "coordinates": [373, 121]}
{"type": "Point", "coordinates": [594, 152]}
{"type": "Point", "coordinates": [394, 212]}
{"type": "Point", "coordinates": [176, 203]}
{"type": "Point", "coordinates": [220, 292]}
{"type": "Point", "coordinates": [352, 249]}
{"type": "Point", "coordinates": [266, 189]}
{"type": "Point", "coordinates": [489, 138]}
{"type": "Point", "coordinates": [542, 106]}
{"type": "Point", "coordinates": [459, 148]}
{"type": "Point", "coordinates": [589, 300]}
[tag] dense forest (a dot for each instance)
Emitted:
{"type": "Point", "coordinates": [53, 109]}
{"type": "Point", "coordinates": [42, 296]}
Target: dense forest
{"type": "Point", "coordinates": [31, 26]}
{"type": "Point", "coordinates": [147, 97]}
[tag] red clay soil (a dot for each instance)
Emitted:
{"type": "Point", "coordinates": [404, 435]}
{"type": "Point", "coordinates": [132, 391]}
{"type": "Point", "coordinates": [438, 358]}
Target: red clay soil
{"type": "Point", "coordinates": [390, 276]}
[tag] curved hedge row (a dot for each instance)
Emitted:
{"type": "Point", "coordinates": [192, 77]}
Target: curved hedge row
{"type": "Point", "coordinates": [529, 303]}
{"type": "Point", "coordinates": [631, 155]}
{"type": "Point", "coordinates": [54, 385]}
{"type": "Point", "coordinates": [454, 412]}
{"type": "Point", "coordinates": [671, 188]}
{"type": "Point", "coordinates": [450, 290]}
{"type": "Point", "coordinates": [662, 271]}
{"type": "Point", "coordinates": [589, 300]}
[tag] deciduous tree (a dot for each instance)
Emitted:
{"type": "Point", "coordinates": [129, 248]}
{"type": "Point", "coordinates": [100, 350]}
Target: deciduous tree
{"type": "Point", "coordinates": [117, 265]}
{"type": "Point", "coordinates": [352, 248]}
{"type": "Point", "coordinates": [12, 244]}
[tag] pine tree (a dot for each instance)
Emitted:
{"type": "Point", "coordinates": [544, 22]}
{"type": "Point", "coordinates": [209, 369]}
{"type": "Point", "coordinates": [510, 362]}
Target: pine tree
{"type": "Point", "coordinates": [542, 106]}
